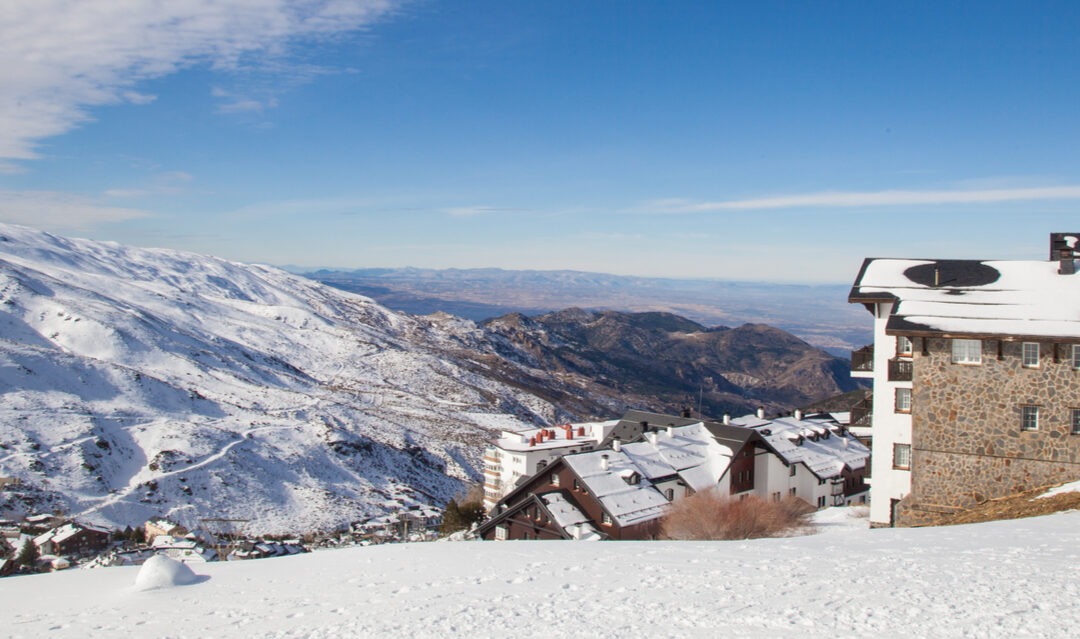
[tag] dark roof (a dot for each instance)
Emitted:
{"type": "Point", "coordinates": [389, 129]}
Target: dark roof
{"type": "Point", "coordinates": [633, 425]}
{"type": "Point", "coordinates": [530, 500]}
{"type": "Point", "coordinates": [734, 437]}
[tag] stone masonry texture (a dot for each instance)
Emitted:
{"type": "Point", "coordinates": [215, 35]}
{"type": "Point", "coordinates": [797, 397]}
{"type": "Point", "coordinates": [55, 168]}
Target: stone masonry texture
{"type": "Point", "coordinates": [967, 442]}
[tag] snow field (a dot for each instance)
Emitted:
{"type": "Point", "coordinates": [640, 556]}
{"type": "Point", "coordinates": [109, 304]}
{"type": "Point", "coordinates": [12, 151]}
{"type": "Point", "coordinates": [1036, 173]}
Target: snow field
{"type": "Point", "coordinates": [1014, 578]}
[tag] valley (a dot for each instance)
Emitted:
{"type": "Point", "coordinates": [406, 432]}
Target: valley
{"type": "Point", "coordinates": [144, 382]}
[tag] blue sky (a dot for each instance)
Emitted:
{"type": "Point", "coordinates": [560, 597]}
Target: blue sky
{"type": "Point", "coordinates": [779, 141]}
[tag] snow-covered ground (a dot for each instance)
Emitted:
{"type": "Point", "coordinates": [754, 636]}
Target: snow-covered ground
{"type": "Point", "coordinates": [1001, 579]}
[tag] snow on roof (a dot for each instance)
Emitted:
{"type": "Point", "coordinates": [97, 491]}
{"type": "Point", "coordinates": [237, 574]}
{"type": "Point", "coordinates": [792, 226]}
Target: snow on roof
{"type": "Point", "coordinates": [626, 503]}
{"type": "Point", "coordinates": [819, 444]}
{"type": "Point", "coordinates": [689, 452]}
{"type": "Point", "coordinates": [1025, 298]}
{"type": "Point", "coordinates": [562, 436]}
{"type": "Point", "coordinates": [168, 541]}
{"type": "Point", "coordinates": [569, 518]}
{"type": "Point", "coordinates": [63, 533]}
{"type": "Point", "coordinates": [162, 523]}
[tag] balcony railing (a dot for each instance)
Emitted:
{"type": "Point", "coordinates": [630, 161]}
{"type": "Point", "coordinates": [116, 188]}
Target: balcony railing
{"type": "Point", "coordinates": [900, 370]}
{"type": "Point", "coordinates": [862, 413]}
{"type": "Point", "coordinates": [862, 360]}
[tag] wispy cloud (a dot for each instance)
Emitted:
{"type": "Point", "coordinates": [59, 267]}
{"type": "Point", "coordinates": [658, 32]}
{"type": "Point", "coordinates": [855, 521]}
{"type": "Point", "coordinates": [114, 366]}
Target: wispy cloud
{"type": "Point", "coordinates": [63, 56]}
{"type": "Point", "coordinates": [847, 199]}
{"type": "Point", "coordinates": [168, 183]}
{"type": "Point", "coordinates": [475, 211]}
{"type": "Point", "coordinates": [232, 102]}
{"type": "Point", "coordinates": [61, 211]}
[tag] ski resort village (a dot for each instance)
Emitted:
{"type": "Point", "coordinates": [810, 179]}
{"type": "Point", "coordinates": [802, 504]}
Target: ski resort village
{"type": "Point", "coordinates": [163, 413]}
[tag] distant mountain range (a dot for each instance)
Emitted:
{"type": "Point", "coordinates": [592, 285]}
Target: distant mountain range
{"type": "Point", "coordinates": [141, 382]}
{"type": "Point", "coordinates": [670, 362]}
{"type": "Point", "coordinates": [818, 314]}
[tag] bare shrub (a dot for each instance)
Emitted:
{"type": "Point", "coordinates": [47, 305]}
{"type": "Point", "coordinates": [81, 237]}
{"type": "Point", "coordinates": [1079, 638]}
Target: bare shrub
{"type": "Point", "coordinates": [708, 515]}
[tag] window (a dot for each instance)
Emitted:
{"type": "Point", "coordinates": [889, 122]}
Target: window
{"type": "Point", "coordinates": [820, 482]}
{"type": "Point", "coordinates": [1029, 417]}
{"type": "Point", "coordinates": [577, 485]}
{"type": "Point", "coordinates": [821, 501]}
{"type": "Point", "coordinates": [901, 456]}
{"type": "Point", "coordinates": [669, 493]}
{"type": "Point", "coordinates": [1074, 419]}
{"type": "Point", "coordinates": [903, 345]}
{"type": "Point", "coordinates": [791, 472]}
{"type": "Point", "coordinates": [791, 492]}
{"type": "Point", "coordinates": [500, 532]}
{"type": "Point", "coordinates": [605, 519]}
{"type": "Point", "coordinates": [903, 400]}
{"type": "Point", "coordinates": [1076, 356]}
{"type": "Point", "coordinates": [1030, 354]}
{"type": "Point", "coordinates": [967, 351]}
{"type": "Point", "coordinates": [554, 479]}
{"type": "Point", "coordinates": [776, 496]}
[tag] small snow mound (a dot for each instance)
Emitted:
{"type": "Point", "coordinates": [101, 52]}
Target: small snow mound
{"type": "Point", "coordinates": [1072, 487]}
{"type": "Point", "coordinates": [161, 571]}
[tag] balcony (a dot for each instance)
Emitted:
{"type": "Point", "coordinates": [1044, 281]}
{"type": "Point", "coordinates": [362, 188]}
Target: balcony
{"type": "Point", "coordinates": [900, 370]}
{"type": "Point", "coordinates": [862, 413]}
{"type": "Point", "coordinates": [862, 361]}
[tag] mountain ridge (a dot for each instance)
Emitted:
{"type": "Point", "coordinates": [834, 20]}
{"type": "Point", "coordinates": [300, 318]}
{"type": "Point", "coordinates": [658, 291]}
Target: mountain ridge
{"type": "Point", "coordinates": [818, 313]}
{"type": "Point", "coordinates": [148, 382]}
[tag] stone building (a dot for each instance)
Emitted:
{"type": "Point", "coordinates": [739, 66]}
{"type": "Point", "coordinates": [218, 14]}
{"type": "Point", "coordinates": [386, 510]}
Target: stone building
{"type": "Point", "coordinates": [976, 369]}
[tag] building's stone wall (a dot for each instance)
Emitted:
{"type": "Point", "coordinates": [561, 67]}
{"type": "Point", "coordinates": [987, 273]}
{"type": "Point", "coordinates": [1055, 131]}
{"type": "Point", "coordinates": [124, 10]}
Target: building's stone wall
{"type": "Point", "coordinates": [967, 442]}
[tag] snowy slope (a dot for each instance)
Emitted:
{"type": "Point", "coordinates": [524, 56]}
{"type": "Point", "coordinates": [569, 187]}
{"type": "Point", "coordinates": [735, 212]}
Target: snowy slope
{"type": "Point", "coordinates": [138, 382]}
{"type": "Point", "coordinates": [1002, 579]}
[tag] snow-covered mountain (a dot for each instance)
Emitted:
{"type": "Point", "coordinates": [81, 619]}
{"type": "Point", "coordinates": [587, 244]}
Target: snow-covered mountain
{"type": "Point", "coordinates": [140, 382]}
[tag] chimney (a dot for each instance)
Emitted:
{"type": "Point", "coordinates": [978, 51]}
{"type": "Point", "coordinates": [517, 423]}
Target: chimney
{"type": "Point", "coordinates": [687, 413]}
{"type": "Point", "coordinates": [670, 431]}
{"type": "Point", "coordinates": [727, 419]}
{"type": "Point", "coordinates": [1066, 266]}
{"type": "Point", "coordinates": [616, 445]}
{"type": "Point", "coordinates": [798, 415]}
{"type": "Point", "coordinates": [532, 441]}
{"type": "Point", "coordinates": [581, 431]}
{"type": "Point", "coordinates": [569, 433]}
{"type": "Point", "coordinates": [761, 412]}
{"type": "Point", "coordinates": [604, 464]}
{"type": "Point", "coordinates": [652, 438]}
{"type": "Point", "coordinates": [1065, 247]}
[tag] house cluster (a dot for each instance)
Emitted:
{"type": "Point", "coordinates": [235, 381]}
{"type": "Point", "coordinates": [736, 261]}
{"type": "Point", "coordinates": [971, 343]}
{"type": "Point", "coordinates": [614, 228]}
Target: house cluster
{"type": "Point", "coordinates": [62, 543]}
{"type": "Point", "coordinates": [976, 380]}
{"type": "Point", "coordinates": [415, 523]}
{"type": "Point", "coordinates": [618, 479]}
{"type": "Point", "coordinates": [58, 542]}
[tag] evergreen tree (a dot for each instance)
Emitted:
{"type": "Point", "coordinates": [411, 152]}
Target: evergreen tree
{"type": "Point", "coordinates": [5, 548]}
{"type": "Point", "coordinates": [471, 512]}
{"type": "Point", "coordinates": [452, 520]}
{"type": "Point", "coordinates": [29, 555]}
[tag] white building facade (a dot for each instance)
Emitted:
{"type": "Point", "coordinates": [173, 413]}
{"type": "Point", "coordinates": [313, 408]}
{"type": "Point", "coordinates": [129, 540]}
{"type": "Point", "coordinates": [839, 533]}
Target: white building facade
{"type": "Point", "coordinates": [890, 369]}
